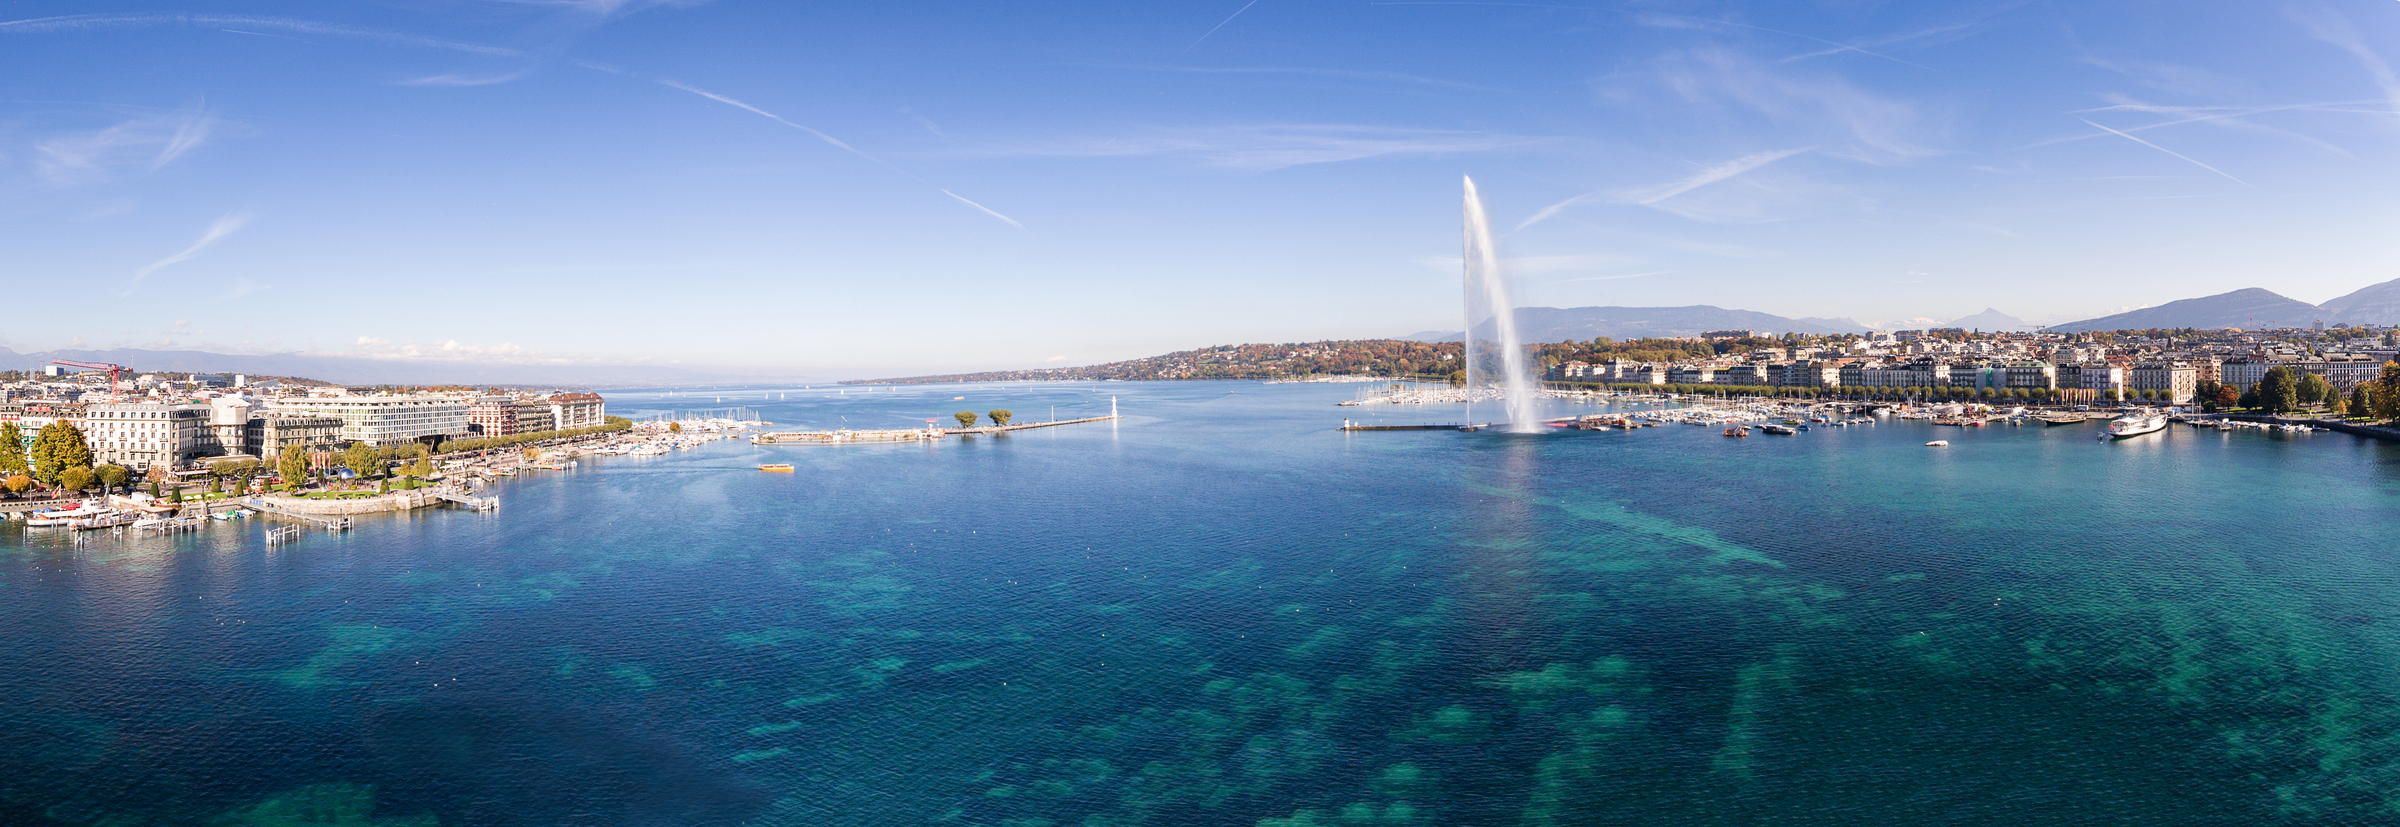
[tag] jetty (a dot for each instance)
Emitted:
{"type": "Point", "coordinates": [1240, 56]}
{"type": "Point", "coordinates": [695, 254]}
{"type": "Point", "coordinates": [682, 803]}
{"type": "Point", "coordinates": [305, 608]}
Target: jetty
{"type": "Point", "coordinates": [849, 436]}
{"type": "Point", "coordinates": [319, 521]}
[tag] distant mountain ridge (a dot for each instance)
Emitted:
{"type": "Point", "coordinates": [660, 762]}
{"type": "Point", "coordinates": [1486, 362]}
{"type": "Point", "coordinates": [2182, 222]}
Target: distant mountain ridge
{"type": "Point", "coordinates": [2372, 304]}
{"type": "Point", "coordinates": [357, 371]}
{"type": "Point", "coordinates": [1994, 321]}
{"type": "Point", "coordinates": [1557, 324]}
{"type": "Point", "coordinates": [2247, 307]}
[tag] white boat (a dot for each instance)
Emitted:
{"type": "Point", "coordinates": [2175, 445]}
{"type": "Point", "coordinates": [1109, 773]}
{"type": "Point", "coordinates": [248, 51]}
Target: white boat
{"type": "Point", "coordinates": [1939, 443]}
{"type": "Point", "coordinates": [2134, 424]}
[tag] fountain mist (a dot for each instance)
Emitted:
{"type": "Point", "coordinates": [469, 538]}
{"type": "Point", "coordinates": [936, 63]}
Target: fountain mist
{"type": "Point", "coordinates": [1492, 326]}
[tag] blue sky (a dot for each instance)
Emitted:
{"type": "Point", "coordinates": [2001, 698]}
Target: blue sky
{"type": "Point", "coordinates": [871, 188]}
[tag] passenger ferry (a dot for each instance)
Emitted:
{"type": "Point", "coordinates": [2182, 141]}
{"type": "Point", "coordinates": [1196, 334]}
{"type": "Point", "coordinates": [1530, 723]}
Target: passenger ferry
{"type": "Point", "coordinates": [2136, 423]}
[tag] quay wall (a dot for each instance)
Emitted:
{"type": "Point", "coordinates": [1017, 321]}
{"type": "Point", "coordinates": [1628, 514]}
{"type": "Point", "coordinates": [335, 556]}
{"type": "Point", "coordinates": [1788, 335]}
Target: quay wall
{"type": "Point", "coordinates": [395, 501]}
{"type": "Point", "coordinates": [2373, 431]}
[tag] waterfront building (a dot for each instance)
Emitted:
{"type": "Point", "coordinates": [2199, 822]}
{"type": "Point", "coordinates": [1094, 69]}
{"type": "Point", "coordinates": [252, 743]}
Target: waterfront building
{"type": "Point", "coordinates": [386, 420]}
{"type": "Point", "coordinates": [2027, 373]}
{"type": "Point", "coordinates": [143, 435]}
{"type": "Point", "coordinates": [1810, 374]}
{"type": "Point", "coordinates": [267, 436]}
{"type": "Point", "coordinates": [2246, 371]}
{"type": "Point", "coordinates": [1744, 375]}
{"type": "Point", "coordinates": [2100, 377]}
{"type": "Point", "coordinates": [532, 415]}
{"type": "Point", "coordinates": [492, 416]}
{"type": "Point", "coordinates": [1691, 375]}
{"type": "Point", "coordinates": [2176, 379]}
{"type": "Point", "coordinates": [577, 410]}
{"type": "Point", "coordinates": [2347, 371]}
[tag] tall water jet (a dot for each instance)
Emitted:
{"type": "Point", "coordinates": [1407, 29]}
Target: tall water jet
{"type": "Point", "coordinates": [1492, 344]}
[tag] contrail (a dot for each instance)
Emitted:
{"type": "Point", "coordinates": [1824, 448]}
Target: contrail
{"type": "Point", "coordinates": [223, 227]}
{"type": "Point", "coordinates": [822, 137]}
{"type": "Point", "coordinates": [1221, 24]}
{"type": "Point", "coordinates": [770, 116]}
{"type": "Point", "coordinates": [1706, 177]}
{"type": "Point", "coordinates": [986, 210]}
{"type": "Point", "coordinates": [2169, 152]}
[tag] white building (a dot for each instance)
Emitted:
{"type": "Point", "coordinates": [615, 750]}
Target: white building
{"type": "Point", "coordinates": [143, 435]}
{"type": "Point", "coordinates": [386, 420]}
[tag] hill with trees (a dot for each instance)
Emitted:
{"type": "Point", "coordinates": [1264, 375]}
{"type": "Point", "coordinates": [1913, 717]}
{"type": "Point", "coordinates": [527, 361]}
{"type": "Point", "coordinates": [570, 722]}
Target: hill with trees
{"type": "Point", "coordinates": [1365, 357]}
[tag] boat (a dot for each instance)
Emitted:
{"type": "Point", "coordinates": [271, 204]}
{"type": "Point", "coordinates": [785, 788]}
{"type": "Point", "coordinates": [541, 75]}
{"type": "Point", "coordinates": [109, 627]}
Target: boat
{"type": "Point", "coordinates": [1939, 443]}
{"type": "Point", "coordinates": [2062, 419]}
{"type": "Point", "coordinates": [1737, 432]}
{"type": "Point", "coordinates": [778, 466]}
{"type": "Point", "coordinates": [2134, 424]}
{"type": "Point", "coordinates": [1778, 430]}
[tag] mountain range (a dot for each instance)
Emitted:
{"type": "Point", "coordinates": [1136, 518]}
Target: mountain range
{"type": "Point", "coordinates": [356, 371]}
{"type": "Point", "coordinates": [2255, 307]}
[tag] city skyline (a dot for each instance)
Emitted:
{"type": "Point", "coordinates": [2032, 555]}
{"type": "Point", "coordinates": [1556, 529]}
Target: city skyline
{"type": "Point", "coordinates": [846, 191]}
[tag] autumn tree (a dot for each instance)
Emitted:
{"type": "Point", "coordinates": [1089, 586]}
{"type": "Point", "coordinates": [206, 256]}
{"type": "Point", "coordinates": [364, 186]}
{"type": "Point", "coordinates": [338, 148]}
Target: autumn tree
{"type": "Point", "coordinates": [966, 419]}
{"type": "Point", "coordinates": [75, 478]}
{"type": "Point", "coordinates": [362, 459]}
{"type": "Point", "coordinates": [112, 476]}
{"type": "Point", "coordinates": [58, 447]}
{"type": "Point", "coordinates": [292, 466]}
{"type": "Point", "coordinates": [12, 449]}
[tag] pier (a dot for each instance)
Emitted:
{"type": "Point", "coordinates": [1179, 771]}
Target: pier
{"type": "Point", "coordinates": [327, 523]}
{"type": "Point", "coordinates": [847, 436]}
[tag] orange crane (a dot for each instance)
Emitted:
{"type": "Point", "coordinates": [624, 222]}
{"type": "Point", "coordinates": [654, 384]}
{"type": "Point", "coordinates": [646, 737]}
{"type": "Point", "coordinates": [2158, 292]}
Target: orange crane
{"type": "Point", "coordinates": [113, 370]}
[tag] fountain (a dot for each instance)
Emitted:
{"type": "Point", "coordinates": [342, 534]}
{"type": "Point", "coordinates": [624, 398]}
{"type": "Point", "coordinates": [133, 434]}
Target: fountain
{"type": "Point", "coordinates": [1492, 327]}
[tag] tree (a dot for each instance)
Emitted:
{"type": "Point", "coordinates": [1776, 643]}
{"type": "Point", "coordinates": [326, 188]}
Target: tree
{"type": "Point", "coordinates": [75, 478]}
{"type": "Point", "coordinates": [12, 449]}
{"type": "Point", "coordinates": [2228, 395]}
{"type": "Point", "coordinates": [362, 459]}
{"type": "Point", "coordinates": [2314, 389]}
{"type": "Point", "coordinates": [2278, 391]}
{"type": "Point", "coordinates": [1000, 416]}
{"type": "Point", "coordinates": [2205, 393]}
{"type": "Point", "coordinates": [292, 466]}
{"type": "Point", "coordinates": [966, 419]}
{"type": "Point", "coordinates": [58, 447]}
{"type": "Point", "coordinates": [17, 483]}
{"type": "Point", "coordinates": [112, 475]}
{"type": "Point", "coordinates": [674, 427]}
{"type": "Point", "coordinates": [2387, 392]}
{"type": "Point", "coordinates": [2362, 400]}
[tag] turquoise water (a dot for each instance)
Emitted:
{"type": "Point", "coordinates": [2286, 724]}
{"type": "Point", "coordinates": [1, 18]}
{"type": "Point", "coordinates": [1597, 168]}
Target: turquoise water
{"type": "Point", "coordinates": [1221, 611]}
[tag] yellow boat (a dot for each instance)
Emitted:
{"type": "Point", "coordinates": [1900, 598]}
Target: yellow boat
{"type": "Point", "coordinates": [780, 466]}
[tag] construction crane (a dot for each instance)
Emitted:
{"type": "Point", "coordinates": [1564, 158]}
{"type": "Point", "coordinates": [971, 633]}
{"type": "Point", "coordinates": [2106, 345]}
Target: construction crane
{"type": "Point", "coordinates": [113, 370]}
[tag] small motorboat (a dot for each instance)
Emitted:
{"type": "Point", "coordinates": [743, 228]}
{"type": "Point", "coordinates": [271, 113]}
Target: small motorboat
{"type": "Point", "coordinates": [779, 466]}
{"type": "Point", "coordinates": [1939, 443]}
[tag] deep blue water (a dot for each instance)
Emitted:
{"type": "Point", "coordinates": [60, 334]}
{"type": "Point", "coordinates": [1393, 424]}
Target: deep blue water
{"type": "Point", "coordinates": [1222, 612]}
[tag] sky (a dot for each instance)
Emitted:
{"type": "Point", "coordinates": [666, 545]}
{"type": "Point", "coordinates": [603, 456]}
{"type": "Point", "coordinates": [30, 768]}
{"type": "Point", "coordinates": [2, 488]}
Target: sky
{"type": "Point", "coordinates": [856, 189]}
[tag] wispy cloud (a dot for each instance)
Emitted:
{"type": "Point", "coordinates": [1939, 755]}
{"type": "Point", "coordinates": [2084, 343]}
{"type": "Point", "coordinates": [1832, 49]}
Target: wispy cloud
{"type": "Point", "coordinates": [1831, 112]}
{"type": "Point", "coordinates": [216, 232]}
{"type": "Point", "coordinates": [147, 143]}
{"type": "Point", "coordinates": [1265, 148]}
{"type": "Point", "coordinates": [2185, 158]}
{"type": "Point", "coordinates": [2327, 25]}
{"type": "Point", "coordinates": [1684, 21]}
{"type": "Point", "coordinates": [449, 350]}
{"type": "Point", "coordinates": [1653, 195]}
{"type": "Point", "coordinates": [601, 8]}
{"type": "Point", "coordinates": [79, 22]}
